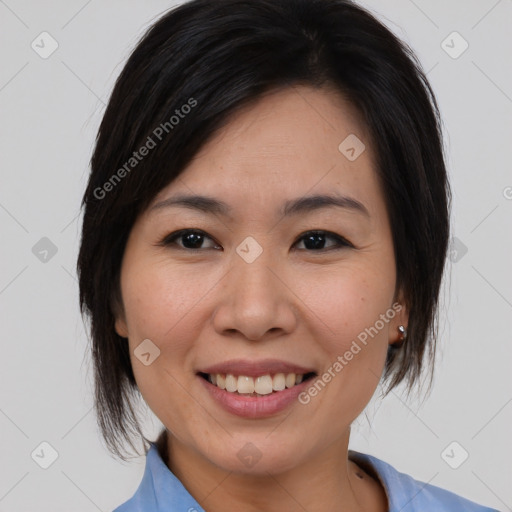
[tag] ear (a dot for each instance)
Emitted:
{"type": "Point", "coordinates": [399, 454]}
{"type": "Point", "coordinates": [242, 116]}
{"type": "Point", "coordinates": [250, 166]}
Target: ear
{"type": "Point", "coordinates": [120, 326]}
{"type": "Point", "coordinates": [118, 311]}
{"type": "Point", "coordinates": [401, 317]}
{"type": "Point", "coordinates": [117, 308]}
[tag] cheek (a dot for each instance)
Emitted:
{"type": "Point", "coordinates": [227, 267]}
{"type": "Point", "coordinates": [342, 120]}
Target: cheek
{"type": "Point", "coordinates": [349, 300]}
{"type": "Point", "coordinates": [159, 298]}
{"type": "Point", "coordinates": [354, 348]}
{"type": "Point", "coordinates": [354, 310]}
{"type": "Point", "coordinates": [164, 305]}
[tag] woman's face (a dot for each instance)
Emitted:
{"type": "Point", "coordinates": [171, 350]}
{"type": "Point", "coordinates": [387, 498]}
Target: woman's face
{"type": "Point", "coordinates": [247, 292]}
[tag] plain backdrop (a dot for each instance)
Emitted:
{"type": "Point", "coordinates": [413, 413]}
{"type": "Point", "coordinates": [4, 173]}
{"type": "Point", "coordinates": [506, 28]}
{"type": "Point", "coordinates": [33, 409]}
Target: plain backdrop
{"type": "Point", "coordinates": [50, 109]}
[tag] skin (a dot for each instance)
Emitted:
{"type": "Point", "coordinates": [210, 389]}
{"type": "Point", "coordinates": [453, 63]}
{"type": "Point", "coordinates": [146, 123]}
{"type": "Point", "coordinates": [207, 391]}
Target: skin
{"type": "Point", "coordinates": [294, 303]}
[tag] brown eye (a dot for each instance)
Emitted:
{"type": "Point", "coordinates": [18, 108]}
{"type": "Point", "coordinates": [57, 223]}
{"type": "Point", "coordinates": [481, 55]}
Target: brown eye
{"type": "Point", "coordinates": [191, 239]}
{"type": "Point", "coordinates": [194, 239]}
{"type": "Point", "coordinates": [316, 241]}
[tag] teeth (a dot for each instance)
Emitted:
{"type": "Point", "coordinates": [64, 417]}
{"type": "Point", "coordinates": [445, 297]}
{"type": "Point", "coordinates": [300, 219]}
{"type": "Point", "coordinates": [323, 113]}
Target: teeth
{"type": "Point", "coordinates": [245, 384]}
{"type": "Point", "coordinates": [221, 381]}
{"type": "Point", "coordinates": [262, 385]}
{"type": "Point", "coordinates": [290, 380]}
{"type": "Point", "coordinates": [279, 382]}
{"type": "Point", "coordinates": [231, 383]}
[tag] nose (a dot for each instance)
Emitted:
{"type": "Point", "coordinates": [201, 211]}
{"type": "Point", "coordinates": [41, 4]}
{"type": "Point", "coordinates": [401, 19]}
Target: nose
{"type": "Point", "coordinates": [255, 300]}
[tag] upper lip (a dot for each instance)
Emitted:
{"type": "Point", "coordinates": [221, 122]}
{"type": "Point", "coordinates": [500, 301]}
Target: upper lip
{"type": "Point", "coordinates": [255, 368]}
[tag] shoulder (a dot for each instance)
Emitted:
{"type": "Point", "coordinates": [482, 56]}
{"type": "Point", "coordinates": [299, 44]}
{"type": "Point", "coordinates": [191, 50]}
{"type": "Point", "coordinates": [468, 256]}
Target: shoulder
{"type": "Point", "coordinates": [406, 494]}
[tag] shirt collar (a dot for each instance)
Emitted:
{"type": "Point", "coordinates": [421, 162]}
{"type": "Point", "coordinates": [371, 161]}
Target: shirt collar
{"type": "Point", "coordinates": [161, 491]}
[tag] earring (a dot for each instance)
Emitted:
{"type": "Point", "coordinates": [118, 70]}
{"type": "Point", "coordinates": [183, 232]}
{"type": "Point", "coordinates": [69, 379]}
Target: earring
{"type": "Point", "coordinates": [403, 332]}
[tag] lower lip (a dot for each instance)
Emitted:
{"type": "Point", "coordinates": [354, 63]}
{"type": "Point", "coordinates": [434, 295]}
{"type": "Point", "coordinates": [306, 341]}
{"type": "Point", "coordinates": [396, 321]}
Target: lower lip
{"type": "Point", "coordinates": [252, 406]}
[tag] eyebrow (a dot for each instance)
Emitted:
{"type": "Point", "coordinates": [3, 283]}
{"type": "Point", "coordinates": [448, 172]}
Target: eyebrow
{"type": "Point", "coordinates": [291, 207]}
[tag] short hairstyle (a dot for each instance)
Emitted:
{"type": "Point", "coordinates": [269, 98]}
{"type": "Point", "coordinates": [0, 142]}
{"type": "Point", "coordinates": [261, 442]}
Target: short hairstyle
{"type": "Point", "coordinates": [217, 58]}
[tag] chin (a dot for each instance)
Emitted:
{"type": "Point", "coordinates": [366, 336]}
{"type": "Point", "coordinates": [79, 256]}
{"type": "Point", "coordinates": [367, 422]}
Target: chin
{"type": "Point", "coordinates": [257, 455]}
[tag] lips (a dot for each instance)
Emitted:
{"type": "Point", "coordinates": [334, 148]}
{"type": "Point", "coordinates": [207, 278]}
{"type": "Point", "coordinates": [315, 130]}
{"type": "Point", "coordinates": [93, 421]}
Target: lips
{"type": "Point", "coordinates": [256, 368]}
{"type": "Point", "coordinates": [255, 388]}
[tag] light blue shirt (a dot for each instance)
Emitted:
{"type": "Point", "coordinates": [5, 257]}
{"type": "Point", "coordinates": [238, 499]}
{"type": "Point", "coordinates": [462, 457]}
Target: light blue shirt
{"type": "Point", "coordinates": [161, 491]}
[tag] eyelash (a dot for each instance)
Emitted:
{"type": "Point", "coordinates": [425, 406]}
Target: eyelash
{"type": "Point", "coordinates": [170, 239]}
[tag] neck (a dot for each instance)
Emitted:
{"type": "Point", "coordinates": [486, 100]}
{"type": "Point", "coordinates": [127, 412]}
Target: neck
{"type": "Point", "coordinates": [328, 481]}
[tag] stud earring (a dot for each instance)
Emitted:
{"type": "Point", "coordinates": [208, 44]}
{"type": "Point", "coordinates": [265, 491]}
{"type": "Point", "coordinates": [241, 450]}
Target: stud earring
{"type": "Point", "coordinates": [403, 331]}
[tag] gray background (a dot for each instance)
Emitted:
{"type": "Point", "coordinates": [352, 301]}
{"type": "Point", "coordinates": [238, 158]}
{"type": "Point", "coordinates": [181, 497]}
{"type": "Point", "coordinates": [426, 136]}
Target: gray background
{"type": "Point", "coordinates": [50, 110]}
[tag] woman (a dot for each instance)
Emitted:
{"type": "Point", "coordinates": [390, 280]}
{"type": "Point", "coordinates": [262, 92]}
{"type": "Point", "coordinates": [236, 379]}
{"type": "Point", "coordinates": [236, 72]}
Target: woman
{"type": "Point", "coordinates": [265, 231]}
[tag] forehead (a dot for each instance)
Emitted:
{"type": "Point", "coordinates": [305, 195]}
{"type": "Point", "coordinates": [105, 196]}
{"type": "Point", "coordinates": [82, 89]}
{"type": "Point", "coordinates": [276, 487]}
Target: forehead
{"type": "Point", "coordinates": [287, 144]}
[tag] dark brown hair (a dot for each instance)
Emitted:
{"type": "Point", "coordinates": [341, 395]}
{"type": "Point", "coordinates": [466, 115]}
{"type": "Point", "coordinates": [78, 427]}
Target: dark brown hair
{"type": "Point", "coordinates": [215, 58]}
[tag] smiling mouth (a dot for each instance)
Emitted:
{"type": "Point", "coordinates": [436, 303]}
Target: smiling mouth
{"type": "Point", "coordinates": [256, 386]}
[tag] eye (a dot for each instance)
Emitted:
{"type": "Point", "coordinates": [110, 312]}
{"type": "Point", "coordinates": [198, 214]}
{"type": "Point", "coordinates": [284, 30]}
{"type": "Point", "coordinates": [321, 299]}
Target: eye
{"type": "Point", "coordinates": [316, 241]}
{"type": "Point", "coordinates": [190, 239]}
{"type": "Point", "coordinates": [193, 239]}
